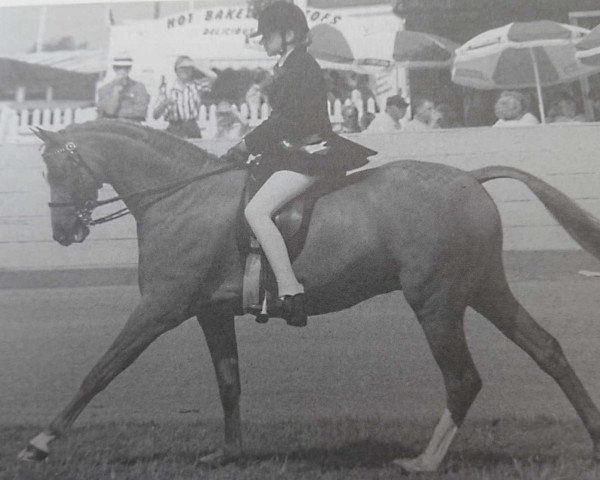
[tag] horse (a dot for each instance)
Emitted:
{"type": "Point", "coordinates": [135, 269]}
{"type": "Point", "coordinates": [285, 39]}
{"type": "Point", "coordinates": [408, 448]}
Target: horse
{"type": "Point", "coordinates": [429, 230]}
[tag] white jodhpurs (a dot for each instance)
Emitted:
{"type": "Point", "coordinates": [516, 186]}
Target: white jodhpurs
{"type": "Point", "coordinates": [278, 190]}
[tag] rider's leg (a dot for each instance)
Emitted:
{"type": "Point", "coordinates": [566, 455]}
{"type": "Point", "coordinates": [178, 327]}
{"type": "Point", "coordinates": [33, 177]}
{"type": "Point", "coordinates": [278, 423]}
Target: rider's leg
{"type": "Point", "coordinates": [278, 190]}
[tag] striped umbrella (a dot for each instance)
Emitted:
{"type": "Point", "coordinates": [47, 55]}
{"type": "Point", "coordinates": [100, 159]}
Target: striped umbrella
{"type": "Point", "coordinates": [351, 43]}
{"type": "Point", "coordinates": [588, 49]}
{"type": "Point", "coordinates": [521, 55]}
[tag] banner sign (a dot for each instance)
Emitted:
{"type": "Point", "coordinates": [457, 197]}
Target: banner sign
{"type": "Point", "coordinates": [237, 19]}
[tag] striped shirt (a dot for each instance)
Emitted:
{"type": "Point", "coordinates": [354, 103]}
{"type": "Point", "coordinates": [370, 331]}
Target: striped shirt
{"type": "Point", "coordinates": [187, 102]}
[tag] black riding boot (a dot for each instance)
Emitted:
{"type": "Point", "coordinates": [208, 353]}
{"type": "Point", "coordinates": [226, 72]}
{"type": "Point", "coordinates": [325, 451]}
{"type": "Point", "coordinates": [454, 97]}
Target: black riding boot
{"type": "Point", "coordinates": [289, 307]}
{"type": "Point", "coordinates": [296, 310]}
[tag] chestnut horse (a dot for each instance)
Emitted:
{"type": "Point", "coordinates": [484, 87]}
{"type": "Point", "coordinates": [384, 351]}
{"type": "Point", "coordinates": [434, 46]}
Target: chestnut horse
{"type": "Point", "coordinates": [429, 230]}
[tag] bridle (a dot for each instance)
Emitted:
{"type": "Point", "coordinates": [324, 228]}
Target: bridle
{"type": "Point", "coordinates": [85, 207]}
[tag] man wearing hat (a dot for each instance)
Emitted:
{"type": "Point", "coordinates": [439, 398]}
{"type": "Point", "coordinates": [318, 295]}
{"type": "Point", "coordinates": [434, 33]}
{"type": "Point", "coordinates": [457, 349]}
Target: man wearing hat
{"type": "Point", "coordinates": [389, 121]}
{"type": "Point", "coordinates": [181, 105]}
{"type": "Point", "coordinates": [123, 98]}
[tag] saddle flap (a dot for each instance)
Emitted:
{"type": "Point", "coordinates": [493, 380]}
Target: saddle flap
{"type": "Point", "coordinates": [289, 219]}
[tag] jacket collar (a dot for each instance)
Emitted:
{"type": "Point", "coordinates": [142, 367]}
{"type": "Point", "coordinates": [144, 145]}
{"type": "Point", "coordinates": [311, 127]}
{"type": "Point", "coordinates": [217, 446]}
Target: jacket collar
{"type": "Point", "coordinates": [289, 57]}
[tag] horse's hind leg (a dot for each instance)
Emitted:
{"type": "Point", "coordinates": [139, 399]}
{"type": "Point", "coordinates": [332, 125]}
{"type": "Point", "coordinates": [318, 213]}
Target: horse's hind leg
{"type": "Point", "coordinates": [441, 318]}
{"type": "Point", "coordinates": [497, 303]}
{"type": "Point", "coordinates": [220, 337]}
{"type": "Point", "coordinates": [149, 320]}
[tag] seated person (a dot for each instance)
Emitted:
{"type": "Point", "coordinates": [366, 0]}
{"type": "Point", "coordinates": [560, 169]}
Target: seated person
{"type": "Point", "coordinates": [389, 121]}
{"type": "Point", "coordinates": [564, 109]}
{"type": "Point", "coordinates": [350, 120]}
{"type": "Point", "coordinates": [425, 116]}
{"type": "Point", "coordinates": [230, 123]}
{"type": "Point", "coordinates": [511, 110]}
{"type": "Point", "coordinates": [366, 120]}
{"type": "Point", "coordinates": [447, 117]}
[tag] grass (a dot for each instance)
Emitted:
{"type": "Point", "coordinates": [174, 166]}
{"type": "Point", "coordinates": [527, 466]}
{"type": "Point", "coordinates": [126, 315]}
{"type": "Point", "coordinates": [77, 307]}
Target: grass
{"type": "Point", "coordinates": [346, 449]}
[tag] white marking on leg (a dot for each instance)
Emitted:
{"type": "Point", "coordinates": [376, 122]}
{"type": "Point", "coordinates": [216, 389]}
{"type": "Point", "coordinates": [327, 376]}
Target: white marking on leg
{"type": "Point", "coordinates": [42, 441]}
{"type": "Point", "coordinates": [436, 450]}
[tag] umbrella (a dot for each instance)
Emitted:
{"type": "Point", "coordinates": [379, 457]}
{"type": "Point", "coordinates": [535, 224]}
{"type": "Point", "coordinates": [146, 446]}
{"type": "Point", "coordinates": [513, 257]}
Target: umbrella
{"type": "Point", "coordinates": [521, 55]}
{"type": "Point", "coordinates": [588, 49]}
{"type": "Point", "coordinates": [351, 43]}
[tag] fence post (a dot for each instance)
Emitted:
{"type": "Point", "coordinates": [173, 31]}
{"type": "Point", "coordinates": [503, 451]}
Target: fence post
{"type": "Point", "coordinates": [13, 125]}
{"type": "Point", "coordinates": [47, 118]}
{"type": "Point", "coordinates": [36, 118]}
{"type": "Point", "coordinates": [337, 111]}
{"type": "Point", "coordinates": [68, 116]}
{"type": "Point", "coordinates": [265, 111]}
{"type": "Point", "coordinates": [202, 117]}
{"type": "Point", "coordinates": [371, 105]}
{"type": "Point", "coordinates": [57, 118]}
{"type": "Point", "coordinates": [4, 123]}
{"type": "Point", "coordinates": [23, 120]}
{"type": "Point", "coordinates": [211, 125]}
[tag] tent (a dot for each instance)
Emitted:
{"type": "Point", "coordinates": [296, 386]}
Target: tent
{"type": "Point", "coordinates": [36, 79]}
{"type": "Point", "coordinates": [82, 61]}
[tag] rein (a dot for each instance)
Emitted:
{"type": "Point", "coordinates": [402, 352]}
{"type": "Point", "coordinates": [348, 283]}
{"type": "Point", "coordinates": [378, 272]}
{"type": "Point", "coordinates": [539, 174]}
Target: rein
{"type": "Point", "coordinates": [85, 208]}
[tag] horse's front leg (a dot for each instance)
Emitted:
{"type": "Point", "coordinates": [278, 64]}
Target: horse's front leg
{"type": "Point", "coordinates": [219, 331]}
{"type": "Point", "coordinates": [151, 318]}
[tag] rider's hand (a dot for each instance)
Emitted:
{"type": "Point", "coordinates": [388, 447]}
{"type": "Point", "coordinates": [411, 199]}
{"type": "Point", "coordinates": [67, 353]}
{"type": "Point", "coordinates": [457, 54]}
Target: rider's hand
{"type": "Point", "coordinates": [237, 154]}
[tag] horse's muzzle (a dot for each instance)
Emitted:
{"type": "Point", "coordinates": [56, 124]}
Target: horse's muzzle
{"type": "Point", "coordinates": [77, 235]}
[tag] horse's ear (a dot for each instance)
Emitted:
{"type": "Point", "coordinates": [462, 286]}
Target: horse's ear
{"type": "Point", "coordinates": [38, 132]}
{"type": "Point", "coordinates": [47, 136]}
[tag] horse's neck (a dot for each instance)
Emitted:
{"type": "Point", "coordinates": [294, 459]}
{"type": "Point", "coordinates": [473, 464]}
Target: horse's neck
{"type": "Point", "coordinates": [131, 166]}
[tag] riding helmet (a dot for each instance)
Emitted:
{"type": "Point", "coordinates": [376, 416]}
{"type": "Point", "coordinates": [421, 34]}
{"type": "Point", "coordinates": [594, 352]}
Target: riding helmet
{"type": "Point", "coordinates": [281, 17]}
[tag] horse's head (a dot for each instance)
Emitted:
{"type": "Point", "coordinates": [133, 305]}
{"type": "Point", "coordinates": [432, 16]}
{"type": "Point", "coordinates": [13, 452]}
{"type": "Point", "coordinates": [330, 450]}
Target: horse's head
{"type": "Point", "coordinates": [73, 188]}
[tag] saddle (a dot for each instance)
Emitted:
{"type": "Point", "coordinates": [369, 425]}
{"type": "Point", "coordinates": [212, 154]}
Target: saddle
{"type": "Point", "coordinates": [293, 221]}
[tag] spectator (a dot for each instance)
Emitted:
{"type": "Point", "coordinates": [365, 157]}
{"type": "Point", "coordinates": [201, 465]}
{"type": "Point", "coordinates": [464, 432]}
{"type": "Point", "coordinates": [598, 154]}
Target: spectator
{"type": "Point", "coordinates": [123, 98]}
{"type": "Point", "coordinates": [181, 106]}
{"type": "Point", "coordinates": [594, 97]}
{"type": "Point", "coordinates": [366, 120]}
{"type": "Point", "coordinates": [447, 117]}
{"type": "Point", "coordinates": [425, 116]}
{"type": "Point", "coordinates": [389, 121]}
{"type": "Point", "coordinates": [511, 110]}
{"type": "Point", "coordinates": [255, 96]}
{"type": "Point", "coordinates": [352, 81]}
{"type": "Point", "coordinates": [350, 120]}
{"type": "Point", "coordinates": [230, 124]}
{"type": "Point", "coordinates": [564, 109]}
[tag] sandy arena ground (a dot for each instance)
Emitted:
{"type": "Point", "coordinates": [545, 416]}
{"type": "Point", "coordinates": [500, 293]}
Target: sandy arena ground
{"type": "Point", "coordinates": [370, 361]}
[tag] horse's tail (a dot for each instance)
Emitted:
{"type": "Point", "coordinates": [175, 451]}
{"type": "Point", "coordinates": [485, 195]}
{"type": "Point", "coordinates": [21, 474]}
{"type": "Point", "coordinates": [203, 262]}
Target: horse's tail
{"type": "Point", "coordinates": [583, 227]}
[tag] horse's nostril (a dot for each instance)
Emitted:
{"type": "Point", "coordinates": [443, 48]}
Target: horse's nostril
{"type": "Point", "coordinates": [60, 237]}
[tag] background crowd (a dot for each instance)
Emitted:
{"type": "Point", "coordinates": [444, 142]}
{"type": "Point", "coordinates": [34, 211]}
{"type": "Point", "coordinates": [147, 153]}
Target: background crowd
{"type": "Point", "coordinates": [179, 103]}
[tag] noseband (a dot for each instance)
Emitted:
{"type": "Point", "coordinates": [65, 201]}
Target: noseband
{"type": "Point", "coordinates": [84, 208]}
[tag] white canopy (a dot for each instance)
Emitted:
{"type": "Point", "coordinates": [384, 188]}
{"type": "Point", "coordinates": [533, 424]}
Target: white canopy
{"type": "Point", "coordinates": [213, 37]}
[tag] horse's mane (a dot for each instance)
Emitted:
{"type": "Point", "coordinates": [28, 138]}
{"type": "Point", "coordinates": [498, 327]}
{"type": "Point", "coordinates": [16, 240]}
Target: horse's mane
{"type": "Point", "coordinates": [168, 145]}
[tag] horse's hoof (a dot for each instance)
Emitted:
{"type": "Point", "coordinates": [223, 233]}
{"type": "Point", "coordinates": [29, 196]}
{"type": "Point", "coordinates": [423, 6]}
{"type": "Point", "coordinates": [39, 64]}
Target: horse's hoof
{"type": "Point", "coordinates": [32, 454]}
{"type": "Point", "coordinates": [219, 458]}
{"type": "Point", "coordinates": [414, 465]}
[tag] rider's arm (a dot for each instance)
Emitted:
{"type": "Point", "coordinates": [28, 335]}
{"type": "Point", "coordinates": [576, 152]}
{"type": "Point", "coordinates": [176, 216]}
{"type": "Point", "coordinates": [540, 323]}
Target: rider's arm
{"type": "Point", "coordinates": [298, 115]}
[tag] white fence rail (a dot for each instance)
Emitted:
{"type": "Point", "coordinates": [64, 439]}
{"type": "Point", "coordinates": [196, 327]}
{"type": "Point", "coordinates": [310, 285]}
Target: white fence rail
{"type": "Point", "coordinates": [16, 123]}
